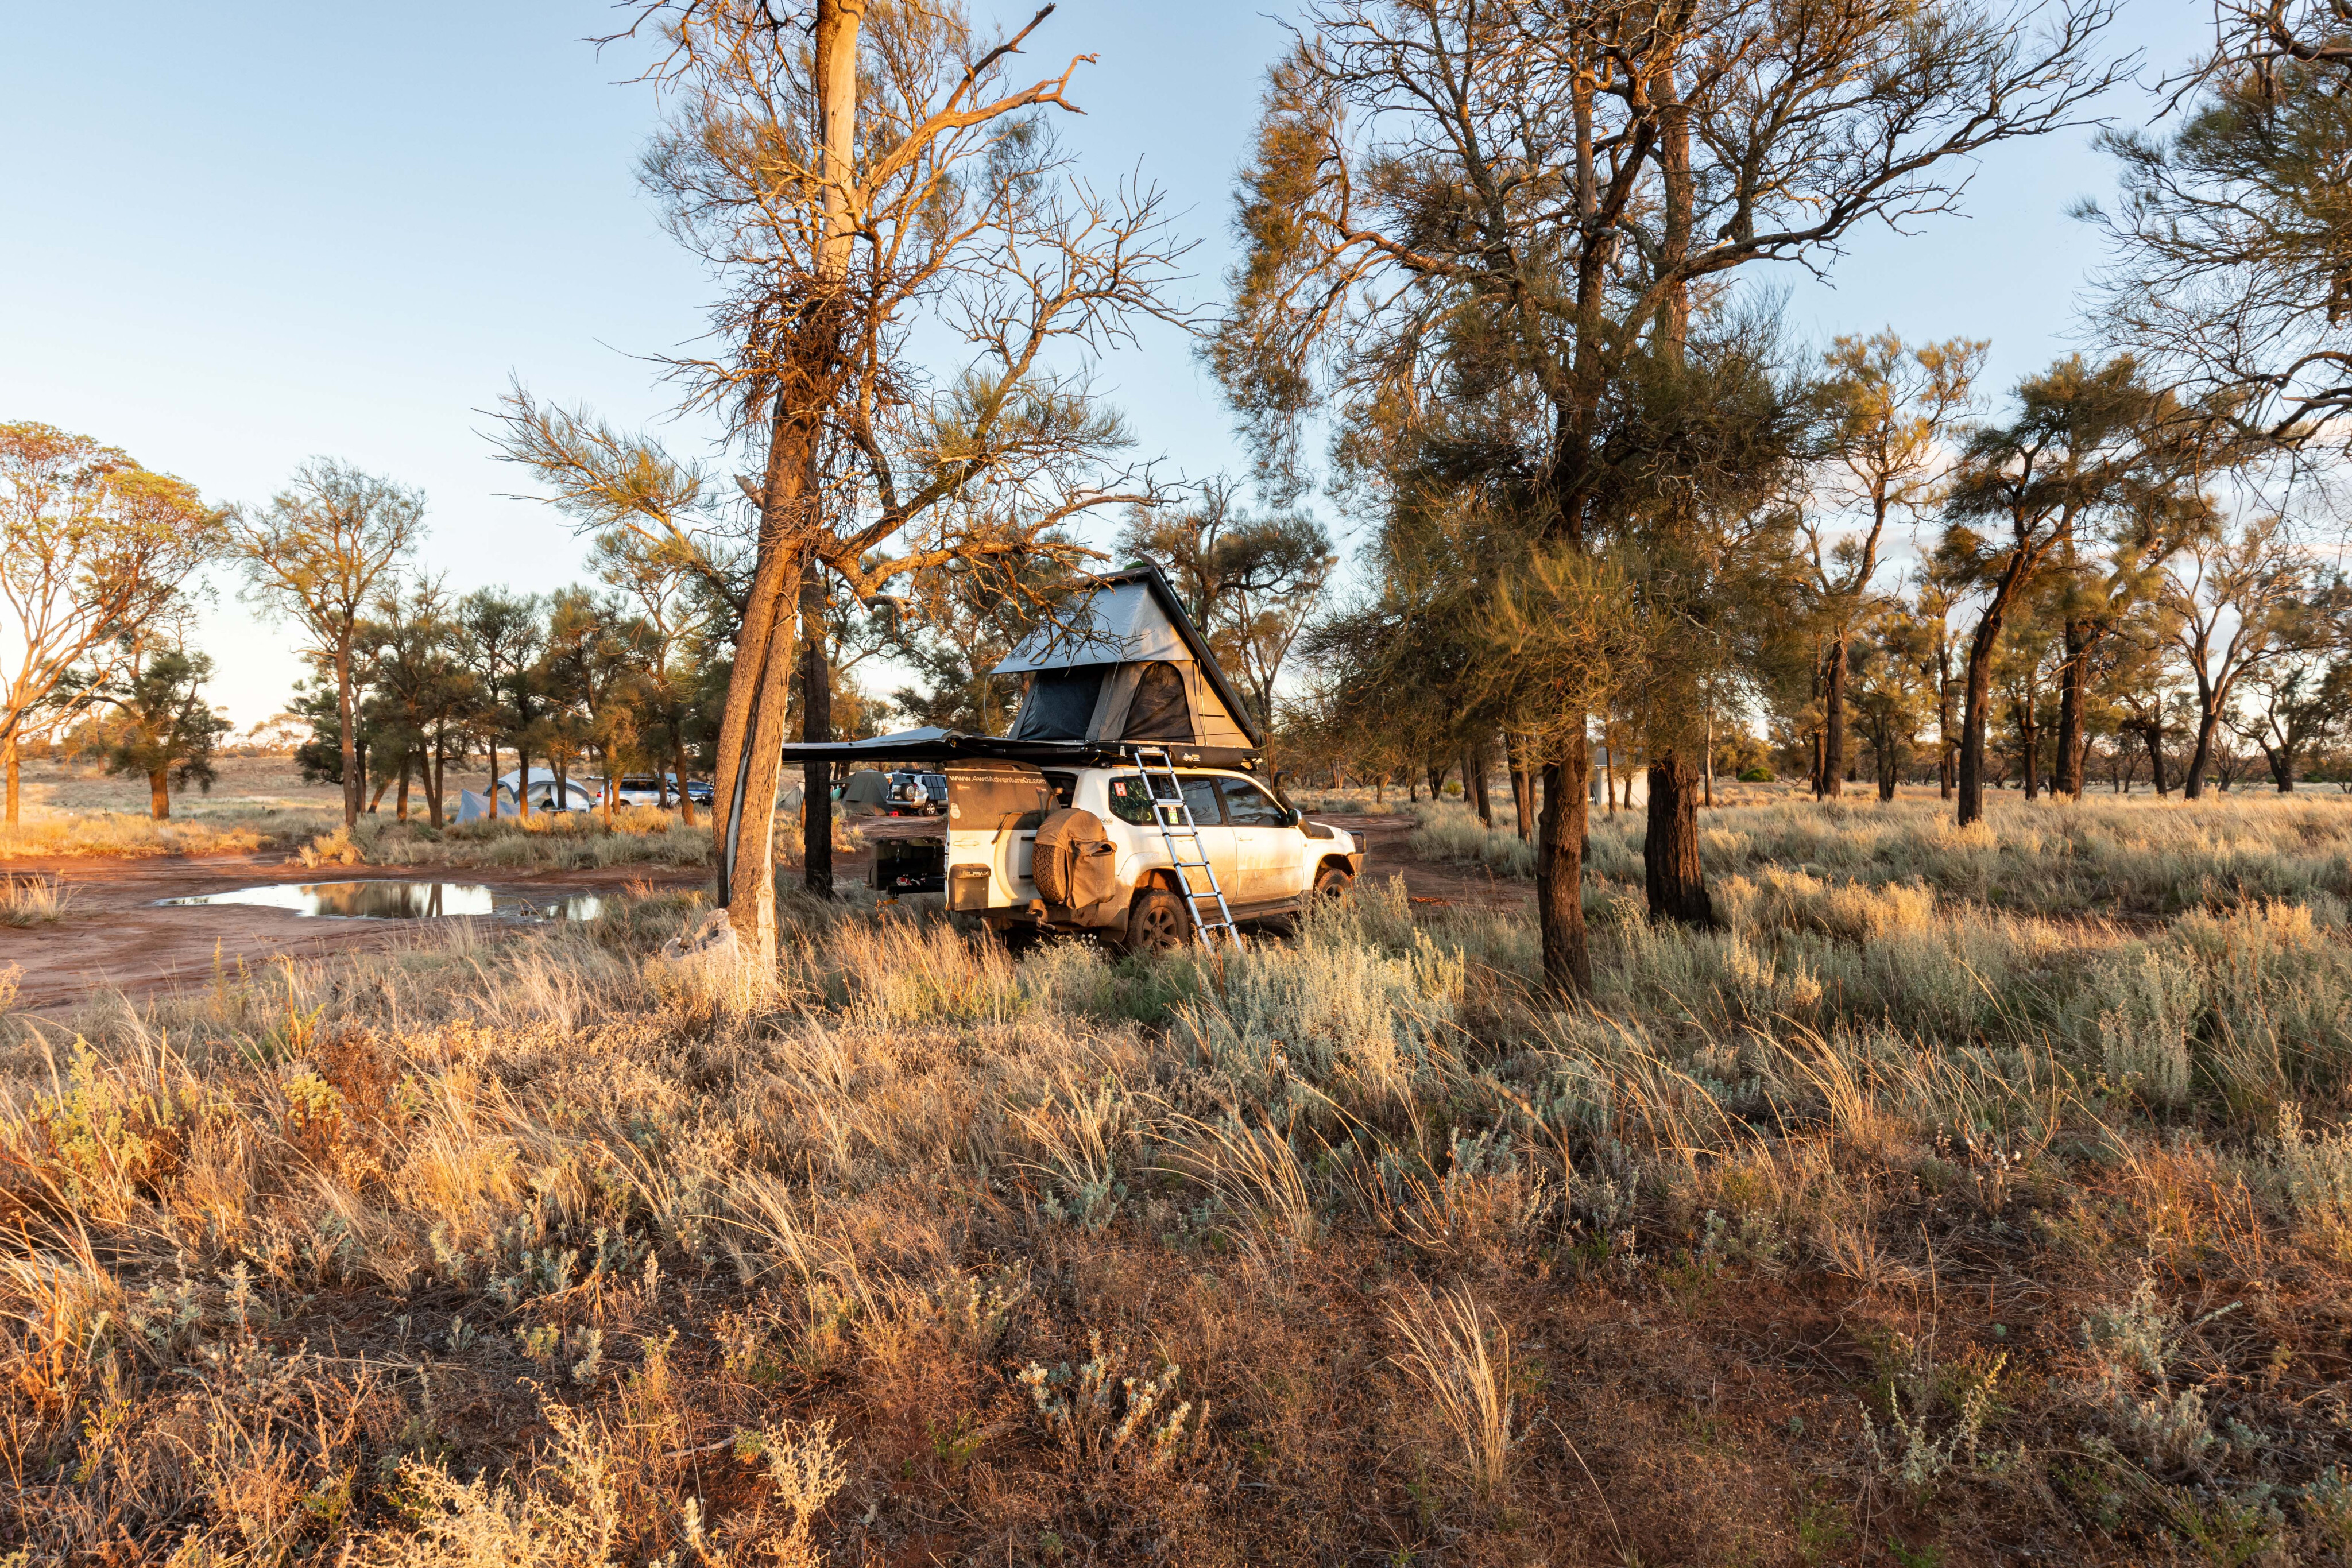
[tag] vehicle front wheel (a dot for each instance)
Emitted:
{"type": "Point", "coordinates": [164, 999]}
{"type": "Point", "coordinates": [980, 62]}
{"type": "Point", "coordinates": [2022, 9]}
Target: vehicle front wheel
{"type": "Point", "coordinates": [1156, 922]}
{"type": "Point", "coordinates": [1332, 880]}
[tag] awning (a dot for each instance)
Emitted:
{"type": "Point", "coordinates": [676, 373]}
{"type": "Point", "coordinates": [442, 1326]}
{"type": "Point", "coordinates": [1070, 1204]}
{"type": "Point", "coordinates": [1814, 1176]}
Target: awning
{"type": "Point", "coordinates": [934, 745]}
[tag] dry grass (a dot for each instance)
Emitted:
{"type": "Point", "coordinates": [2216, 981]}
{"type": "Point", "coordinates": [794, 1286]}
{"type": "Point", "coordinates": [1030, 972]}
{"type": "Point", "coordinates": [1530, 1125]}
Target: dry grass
{"type": "Point", "coordinates": [33, 899]}
{"type": "Point", "coordinates": [546, 840]}
{"type": "Point", "coordinates": [1890, 1223]}
{"type": "Point", "coordinates": [123, 833]}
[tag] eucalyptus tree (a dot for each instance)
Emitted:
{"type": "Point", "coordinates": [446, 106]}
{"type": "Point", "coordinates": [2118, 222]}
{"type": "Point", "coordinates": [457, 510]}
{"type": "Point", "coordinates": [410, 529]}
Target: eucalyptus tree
{"type": "Point", "coordinates": [2241, 595]}
{"type": "Point", "coordinates": [671, 612]}
{"type": "Point", "coordinates": [2230, 253]}
{"type": "Point", "coordinates": [2085, 448]}
{"type": "Point", "coordinates": [499, 636]}
{"type": "Point", "coordinates": [94, 549]}
{"type": "Point", "coordinates": [318, 554]}
{"type": "Point", "coordinates": [421, 693]}
{"type": "Point", "coordinates": [1889, 409]}
{"type": "Point", "coordinates": [1562, 184]}
{"type": "Point", "coordinates": [159, 727]}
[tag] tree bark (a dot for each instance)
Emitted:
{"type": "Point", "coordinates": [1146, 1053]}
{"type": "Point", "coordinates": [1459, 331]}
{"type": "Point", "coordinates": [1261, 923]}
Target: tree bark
{"type": "Point", "coordinates": [2029, 751]}
{"type": "Point", "coordinates": [677, 765]}
{"type": "Point", "coordinates": [2067, 779]}
{"type": "Point", "coordinates": [816, 725]}
{"type": "Point", "coordinates": [1972, 720]}
{"type": "Point", "coordinates": [2192, 783]}
{"type": "Point", "coordinates": [346, 711]}
{"type": "Point", "coordinates": [2154, 735]}
{"type": "Point", "coordinates": [159, 795]}
{"type": "Point", "coordinates": [16, 776]}
{"type": "Point", "coordinates": [1833, 779]}
{"type": "Point", "coordinates": [1884, 745]}
{"type": "Point", "coordinates": [400, 804]}
{"type": "Point", "coordinates": [1522, 800]}
{"type": "Point", "coordinates": [1671, 872]}
{"type": "Point", "coordinates": [1559, 873]}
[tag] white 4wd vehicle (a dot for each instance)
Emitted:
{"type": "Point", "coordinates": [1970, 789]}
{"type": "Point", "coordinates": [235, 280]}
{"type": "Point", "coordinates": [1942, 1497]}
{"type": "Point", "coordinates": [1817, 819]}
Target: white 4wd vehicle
{"type": "Point", "coordinates": [1084, 848]}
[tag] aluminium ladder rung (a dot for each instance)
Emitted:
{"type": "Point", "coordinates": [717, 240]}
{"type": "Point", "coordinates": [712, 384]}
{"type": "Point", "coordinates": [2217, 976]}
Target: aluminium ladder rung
{"type": "Point", "coordinates": [1182, 826]}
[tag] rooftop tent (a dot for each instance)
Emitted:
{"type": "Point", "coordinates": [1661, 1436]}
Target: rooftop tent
{"type": "Point", "coordinates": [1123, 662]}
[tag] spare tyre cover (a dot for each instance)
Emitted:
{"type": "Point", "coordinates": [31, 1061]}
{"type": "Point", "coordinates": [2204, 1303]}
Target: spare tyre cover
{"type": "Point", "coordinates": [1074, 863]}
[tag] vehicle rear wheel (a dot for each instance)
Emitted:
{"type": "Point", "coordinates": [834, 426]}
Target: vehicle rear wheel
{"type": "Point", "coordinates": [1156, 922]}
{"type": "Point", "coordinates": [1332, 880]}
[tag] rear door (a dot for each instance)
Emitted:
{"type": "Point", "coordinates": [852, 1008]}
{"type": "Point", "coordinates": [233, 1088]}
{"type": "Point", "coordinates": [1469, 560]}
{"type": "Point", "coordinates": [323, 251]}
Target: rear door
{"type": "Point", "coordinates": [1265, 845]}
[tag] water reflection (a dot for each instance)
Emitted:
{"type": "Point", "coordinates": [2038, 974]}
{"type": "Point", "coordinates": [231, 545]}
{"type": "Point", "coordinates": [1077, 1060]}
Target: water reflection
{"type": "Point", "coordinates": [403, 901]}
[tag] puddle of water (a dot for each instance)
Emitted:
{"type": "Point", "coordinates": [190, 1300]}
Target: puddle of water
{"type": "Point", "coordinates": [402, 901]}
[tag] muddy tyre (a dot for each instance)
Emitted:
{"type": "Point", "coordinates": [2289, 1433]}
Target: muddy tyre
{"type": "Point", "coordinates": [1156, 922]}
{"type": "Point", "coordinates": [1333, 881]}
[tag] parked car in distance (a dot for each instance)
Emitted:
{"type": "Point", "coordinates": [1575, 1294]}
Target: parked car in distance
{"type": "Point", "coordinates": [644, 789]}
{"type": "Point", "coordinates": [699, 791]}
{"type": "Point", "coordinates": [577, 794]}
{"type": "Point", "coordinates": [914, 794]}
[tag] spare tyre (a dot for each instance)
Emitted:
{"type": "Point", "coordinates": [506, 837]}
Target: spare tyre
{"type": "Point", "coordinates": [1074, 863]}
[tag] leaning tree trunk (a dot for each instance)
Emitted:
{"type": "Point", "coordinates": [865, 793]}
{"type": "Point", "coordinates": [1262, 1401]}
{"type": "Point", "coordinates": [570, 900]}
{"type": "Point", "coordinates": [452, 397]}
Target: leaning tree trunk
{"type": "Point", "coordinates": [1974, 700]}
{"type": "Point", "coordinates": [1671, 872]}
{"type": "Point", "coordinates": [816, 725]}
{"type": "Point", "coordinates": [1559, 870]}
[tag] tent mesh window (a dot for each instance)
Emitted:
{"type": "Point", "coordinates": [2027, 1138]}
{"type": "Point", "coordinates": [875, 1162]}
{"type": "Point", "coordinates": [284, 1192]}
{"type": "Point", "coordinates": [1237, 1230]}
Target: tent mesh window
{"type": "Point", "coordinates": [1060, 703]}
{"type": "Point", "coordinates": [1158, 711]}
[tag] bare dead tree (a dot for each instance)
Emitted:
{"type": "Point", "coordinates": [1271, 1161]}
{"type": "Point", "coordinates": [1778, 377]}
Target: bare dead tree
{"type": "Point", "coordinates": [843, 184]}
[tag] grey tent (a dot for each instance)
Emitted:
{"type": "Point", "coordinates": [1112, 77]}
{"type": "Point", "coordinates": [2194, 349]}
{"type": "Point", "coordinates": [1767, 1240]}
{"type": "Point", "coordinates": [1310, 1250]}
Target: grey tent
{"type": "Point", "coordinates": [1119, 665]}
{"type": "Point", "coordinates": [1124, 663]}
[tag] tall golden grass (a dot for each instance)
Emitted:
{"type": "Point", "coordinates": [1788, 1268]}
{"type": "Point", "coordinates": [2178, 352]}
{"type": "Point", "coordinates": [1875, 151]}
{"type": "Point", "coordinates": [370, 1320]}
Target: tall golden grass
{"type": "Point", "coordinates": [1916, 1205]}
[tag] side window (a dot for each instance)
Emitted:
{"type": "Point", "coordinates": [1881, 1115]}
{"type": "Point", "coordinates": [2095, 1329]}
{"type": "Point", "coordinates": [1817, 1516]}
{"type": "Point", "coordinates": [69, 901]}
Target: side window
{"type": "Point", "coordinates": [1201, 794]}
{"type": "Point", "coordinates": [1247, 806]}
{"type": "Point", "coordinates": [1128, 803]}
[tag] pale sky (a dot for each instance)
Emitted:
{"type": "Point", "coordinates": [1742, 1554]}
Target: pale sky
{"type": "Point", "coordinates": [240, 237]}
